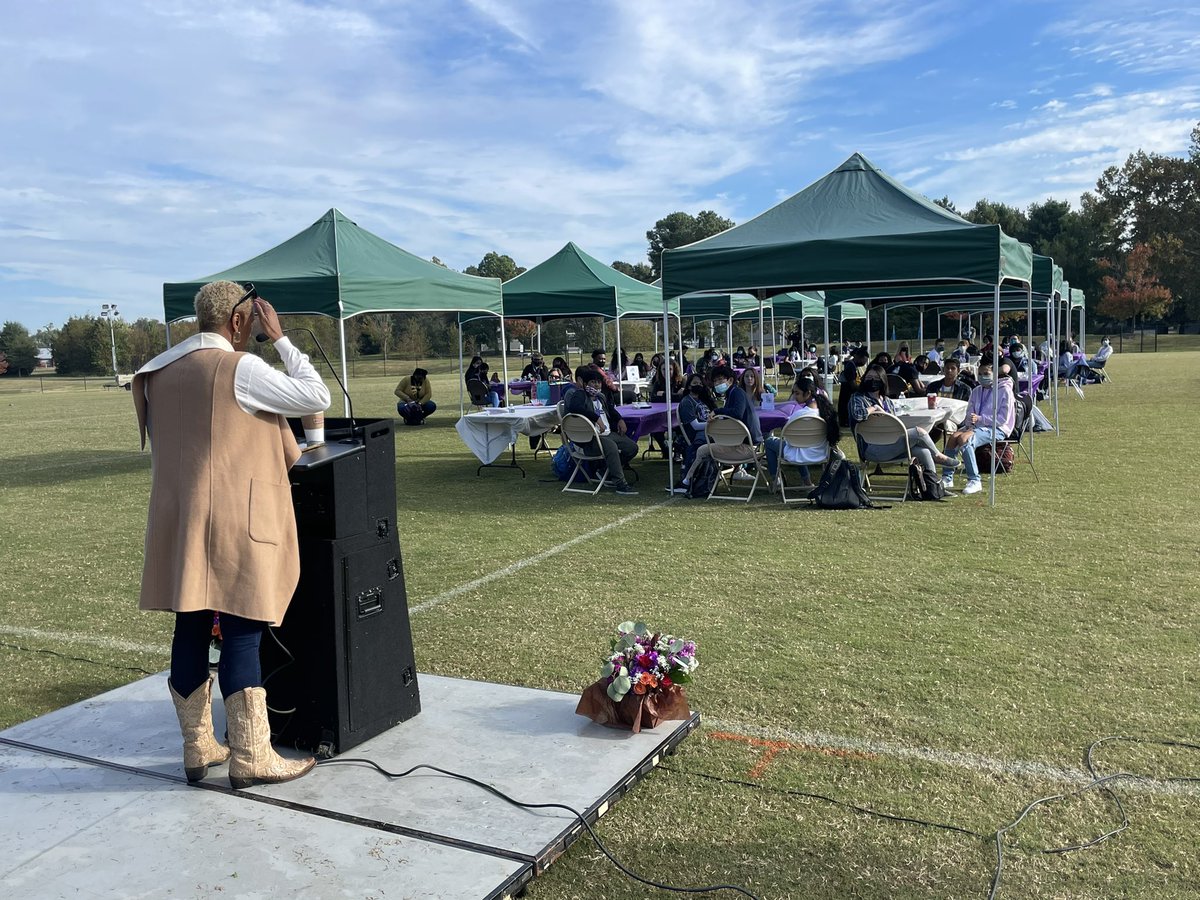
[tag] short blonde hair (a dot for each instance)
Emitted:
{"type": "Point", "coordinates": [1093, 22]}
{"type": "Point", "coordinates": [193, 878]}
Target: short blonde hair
{"type": "Point", "coordinates": [214, 303]}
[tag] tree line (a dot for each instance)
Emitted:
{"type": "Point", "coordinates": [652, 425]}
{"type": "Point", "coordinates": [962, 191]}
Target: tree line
{"type": "Point", "coordinates": [1132, 245]}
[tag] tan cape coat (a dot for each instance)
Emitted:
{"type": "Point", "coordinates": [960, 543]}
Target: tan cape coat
{"type": "Point", "coordinates": [221, 532]}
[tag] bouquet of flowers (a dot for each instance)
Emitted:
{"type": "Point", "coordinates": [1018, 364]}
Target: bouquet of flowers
{"type": "Point", "coordinates": [640, 679]}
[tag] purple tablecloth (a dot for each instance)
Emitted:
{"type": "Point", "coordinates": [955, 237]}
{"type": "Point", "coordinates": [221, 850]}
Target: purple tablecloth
{"type": "Point", "coordinates": [640, 421]}
{"type": "Point", "coordinates": [770, 419]}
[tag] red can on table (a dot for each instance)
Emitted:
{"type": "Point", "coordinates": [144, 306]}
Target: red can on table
{"type": "Point", "coordinates": [932, 400]}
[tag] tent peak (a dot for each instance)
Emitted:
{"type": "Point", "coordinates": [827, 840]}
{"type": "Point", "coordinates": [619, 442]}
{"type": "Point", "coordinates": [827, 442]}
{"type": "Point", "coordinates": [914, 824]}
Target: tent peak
{"type": "Point", "coordinates": [857, 163]}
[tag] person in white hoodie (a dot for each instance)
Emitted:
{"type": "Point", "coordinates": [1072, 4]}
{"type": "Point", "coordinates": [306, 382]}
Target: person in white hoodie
{"type": "Point", "coordinates": [980, 426]}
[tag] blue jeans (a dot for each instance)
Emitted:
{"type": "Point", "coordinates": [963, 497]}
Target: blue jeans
{"type": "Point", "coordinates": [774, 446]}
{"type": "Point", "coordinates": [981, 437]}
{"type": "Point", "coordinates": [239, 666]}
{"type": "Point", "coordinates": [414, 413]}
{"type": "Point", "coordinates": [494, 398]}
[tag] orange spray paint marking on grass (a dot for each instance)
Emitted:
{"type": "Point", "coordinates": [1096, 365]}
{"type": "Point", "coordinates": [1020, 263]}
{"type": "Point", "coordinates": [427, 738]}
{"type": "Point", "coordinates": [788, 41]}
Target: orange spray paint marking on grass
{"type": "Point", "coordinates": [771, 749]}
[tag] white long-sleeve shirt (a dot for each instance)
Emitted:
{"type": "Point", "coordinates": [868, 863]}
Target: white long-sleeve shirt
{"type": "Point", "coordinates": [258, 387]}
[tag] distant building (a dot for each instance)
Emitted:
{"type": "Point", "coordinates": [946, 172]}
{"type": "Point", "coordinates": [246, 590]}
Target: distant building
{"type": "Point", "coordinates": [44, 358]}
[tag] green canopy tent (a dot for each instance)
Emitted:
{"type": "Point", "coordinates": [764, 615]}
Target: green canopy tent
{"type": "Point", "coordinates": [854, 227]}
{"type": "Point", "coordinates": [573, 284]}
{"type": "Point", "coordinates": [335, 268]}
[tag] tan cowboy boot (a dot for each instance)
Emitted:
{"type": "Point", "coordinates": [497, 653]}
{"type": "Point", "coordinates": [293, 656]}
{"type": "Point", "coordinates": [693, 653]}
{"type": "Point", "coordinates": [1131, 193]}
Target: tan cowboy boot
{"type": "Point", "coordinates": [249, 732]}
{"type": "Point", "coordinates": [200, 748]}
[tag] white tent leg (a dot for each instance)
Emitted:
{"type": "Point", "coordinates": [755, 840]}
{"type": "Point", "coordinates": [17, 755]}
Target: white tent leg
{"type": "Point", "coordinates": [995, 393]}
{"type": "Point", "coordinates": [168, 335]}
{"type": "Point", "coordinates": [504, 352]}
{"type": "Point", "coordinates": [345, 377]}
{"type": "Point", "coordinates": [462, 376]}
{"type": "Point", "coordinates": [885, 331]}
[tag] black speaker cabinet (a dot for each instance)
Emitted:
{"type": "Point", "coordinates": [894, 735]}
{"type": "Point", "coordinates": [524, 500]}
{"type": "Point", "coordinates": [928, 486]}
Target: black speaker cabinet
{"type": "Point", "coordinates": [340, 668]}
{"type": "Point", "coordinates": [348, 486]}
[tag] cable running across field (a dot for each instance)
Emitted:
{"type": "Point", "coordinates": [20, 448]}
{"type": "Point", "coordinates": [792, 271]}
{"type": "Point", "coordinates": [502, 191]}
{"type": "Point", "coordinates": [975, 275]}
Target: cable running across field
{"type": "Point", "coordinates": [1098, 782]}
{"type": "Point", "coordinates": [82, 659]}
{"type": "Point", "coordinates": [496, 792]}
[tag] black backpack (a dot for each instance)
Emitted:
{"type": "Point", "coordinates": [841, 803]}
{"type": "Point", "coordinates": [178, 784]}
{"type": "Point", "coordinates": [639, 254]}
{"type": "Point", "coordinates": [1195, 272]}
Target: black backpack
{"type": "Point", "coordinates": [702, 480]}
{"type": "Point", "coordinates": [840, 487]}
{"type": "Point", "coordinates": [922, 485]}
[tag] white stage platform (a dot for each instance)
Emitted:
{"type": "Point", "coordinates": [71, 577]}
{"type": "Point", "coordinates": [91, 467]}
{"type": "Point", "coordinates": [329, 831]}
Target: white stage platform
{"type": "Point", "coordinates": [97, 805]}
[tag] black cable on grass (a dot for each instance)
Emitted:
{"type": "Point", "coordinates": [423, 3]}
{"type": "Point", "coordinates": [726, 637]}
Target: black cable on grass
{"type": "Point", "coordinates": [82, 659]}
{"type": "Point", "coordinates": [1098, 782]}
{"type": "Point", "coordinates": [496, 792]}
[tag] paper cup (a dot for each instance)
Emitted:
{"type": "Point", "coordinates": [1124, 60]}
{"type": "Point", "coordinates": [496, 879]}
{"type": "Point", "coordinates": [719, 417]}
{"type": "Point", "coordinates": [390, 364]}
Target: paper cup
{"type": "Point", "coordinates": [314, 428]}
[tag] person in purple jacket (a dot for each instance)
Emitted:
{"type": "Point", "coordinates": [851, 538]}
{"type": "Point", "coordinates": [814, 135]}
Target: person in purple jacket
{"type": "Point", "coordinates": [980, 427]}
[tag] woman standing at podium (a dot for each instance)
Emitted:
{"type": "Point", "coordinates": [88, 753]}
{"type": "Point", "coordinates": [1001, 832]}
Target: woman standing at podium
{"type": "Point", "coordinates": [221, 533]}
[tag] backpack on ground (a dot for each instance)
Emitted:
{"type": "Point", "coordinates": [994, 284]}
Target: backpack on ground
{"type": "Point", "coordinates": [840, 487]}
{"type": "Point", "coordinates": [983, 457]}
{"type": "Point", "coordinates": [922, 485]}
{"type": "Point", "coordinates": [702, 481]}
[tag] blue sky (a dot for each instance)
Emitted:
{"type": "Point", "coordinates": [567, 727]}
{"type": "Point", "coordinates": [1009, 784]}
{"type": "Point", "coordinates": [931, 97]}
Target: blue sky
{"type": "Point", "coordinates": [157, 140]}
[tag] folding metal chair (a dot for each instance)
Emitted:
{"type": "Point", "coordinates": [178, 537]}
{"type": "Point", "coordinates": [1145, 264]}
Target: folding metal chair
{"type": "Point", "coordinates": [883, 429]}
{"type": "Point", "coordinates": [580, 433]}
{"type": "Point", "coordinates": [726, 439]}
{"type": "Point", "coordinates": [805, 433]}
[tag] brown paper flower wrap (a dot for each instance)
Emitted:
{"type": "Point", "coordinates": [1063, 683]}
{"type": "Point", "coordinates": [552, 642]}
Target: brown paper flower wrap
{"type": "Point", "coordinates": [640, 680]}
{"type": "Point", "coordinates": [635, 711]}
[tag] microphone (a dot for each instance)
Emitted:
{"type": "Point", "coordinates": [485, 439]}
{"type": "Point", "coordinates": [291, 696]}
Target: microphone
{"type": "Point", "coordinates": [262, 338]}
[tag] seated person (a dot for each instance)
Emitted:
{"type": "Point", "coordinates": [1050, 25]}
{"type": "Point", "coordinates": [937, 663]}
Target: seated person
{"type": "Point", "coordinates": [925, 366]}
{"type": "Point", "coordinates": [600, 361]}
{"type": "Point", "coordinates": [739, 357]}
{"type": "Point", "coordinates": [811, 373]}
{"type": "Point", "coordinates": [1096, 361]}
{"type": "Point", "coordinates": [752, 357]}
{"type": "Point", "coordinates": [951, 385]}
{"type": "Point", "coordinates": [478, 371]}
{"type": "Point", "coordinates": [588, 400]}
{"type": "Point", "coordinates": [695, 409]}
{"type": "Point", "coordinates": [536, 369]}
{"type": "Point", "coordinates": [979, 426]}
{"type": "Point", "coordinates": [938, 353]}
{"type": "Point", "coordinates": [1066, 360]}
{"type": "Point", "coordinates": [902, 355]}
{"type": "Point", "coordinates": [642, 367]}
{"type": "Point", "coordinates": [809, 403]}
{"type": "Point", "coordinates": [872, 398]}
{"type": "Point", "coordinates": [737, 406]}
{"type": "Point", "coordinates": [658, 394]}
{"type": "Point", "coordinates": [754, 388]}
{"type": "Point", "coordinates": [564, 370]}
{"type": "Point", "coordinates": [1016, 353]}
{"type": "Point", "coordinates": [960, 352]}
{"type": "Point", "coordinates": [908, 372]}
{"type": "Point", "coordinates": [415, 397]}
{"type": "Point", "coordinates": [855, 363]}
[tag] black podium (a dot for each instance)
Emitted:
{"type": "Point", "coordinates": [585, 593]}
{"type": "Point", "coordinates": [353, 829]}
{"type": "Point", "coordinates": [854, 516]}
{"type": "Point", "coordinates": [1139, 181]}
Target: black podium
{"type": "Point", "coordinates": [340, 667]}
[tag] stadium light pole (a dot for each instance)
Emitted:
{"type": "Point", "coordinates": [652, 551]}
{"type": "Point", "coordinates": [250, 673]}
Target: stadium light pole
{"type": "Point", "coordinates": [109, 311]}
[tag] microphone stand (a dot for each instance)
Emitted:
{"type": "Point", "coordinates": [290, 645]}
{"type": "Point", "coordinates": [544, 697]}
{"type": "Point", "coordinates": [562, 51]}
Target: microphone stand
{"type": "Point", "coordinates": [261, 338]}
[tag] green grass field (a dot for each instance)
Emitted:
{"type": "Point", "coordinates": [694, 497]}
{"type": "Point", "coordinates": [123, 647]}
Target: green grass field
{"type": "Point", "coordinates": [934, 661]}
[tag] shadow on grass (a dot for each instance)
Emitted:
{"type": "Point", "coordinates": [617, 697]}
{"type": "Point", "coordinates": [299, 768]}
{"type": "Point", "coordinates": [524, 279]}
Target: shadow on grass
{"type": "Point", "coordinates": [58, 466]}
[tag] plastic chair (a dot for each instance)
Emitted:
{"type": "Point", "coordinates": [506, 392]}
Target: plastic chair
{"type": "Point", "coordinates": [726, 439]}
{"type": "Point", "coordinates": [806, 433]}
{"type": "Point", "coordinates": [479, 393]}
{"type": "Point", "coordinates": [580, 433]}
{"type": "Point", "coordinates": [883, 430]}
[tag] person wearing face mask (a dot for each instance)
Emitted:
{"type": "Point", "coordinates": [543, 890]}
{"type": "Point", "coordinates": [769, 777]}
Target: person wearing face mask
{"type": "Point", "coordinates": [979, 426]}
{"type": "Point", "coordinates": [695, 409]}
{"type": "Point", "coordinates": [737, 406]}
{"type": "Point", "coordinates": [938, 353]}
{"type": "Point", "coordinates": [1016, 353]}
{"type": "Point", "coordinates": [872, 398]}
{"type": "Point", "coordinates": [589, 401]}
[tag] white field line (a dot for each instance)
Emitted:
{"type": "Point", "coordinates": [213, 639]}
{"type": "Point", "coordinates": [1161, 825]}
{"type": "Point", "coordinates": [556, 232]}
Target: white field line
{"type": "Point", "coordinates": [441, 598]}
{"type": "Point", "coordinates": [817, 740]}
{"type": "Point", "coordinates": [75, 463]}
{"type": "Point", "coordinates": [958, 759]}
{"type": "Point", "coordinates": [91, 640]}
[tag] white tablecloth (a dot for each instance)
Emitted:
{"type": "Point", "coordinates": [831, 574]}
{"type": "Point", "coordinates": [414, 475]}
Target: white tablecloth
{"type": "Point", "coordinates": [917, 414]}
{"type": "Point", "coordinates": [489, 434]}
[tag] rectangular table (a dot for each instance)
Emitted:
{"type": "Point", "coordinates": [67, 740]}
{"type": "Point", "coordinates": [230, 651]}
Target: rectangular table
{"type": "Point", "coordinates": [489, 433]}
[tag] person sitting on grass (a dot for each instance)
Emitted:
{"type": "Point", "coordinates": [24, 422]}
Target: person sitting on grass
{"type": "Point", "coordinates": [809, 403]}
{"type": "Point", "coordinates": [980, 427]}
{"type": "Point", "coordinates": [872, 398]}
{"type": "Point", "coordinates": [589, 401]}
{"type": "Point", "coordinates": [737, 406]}
{"type": "Point", "coordinates": [415, 397]}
